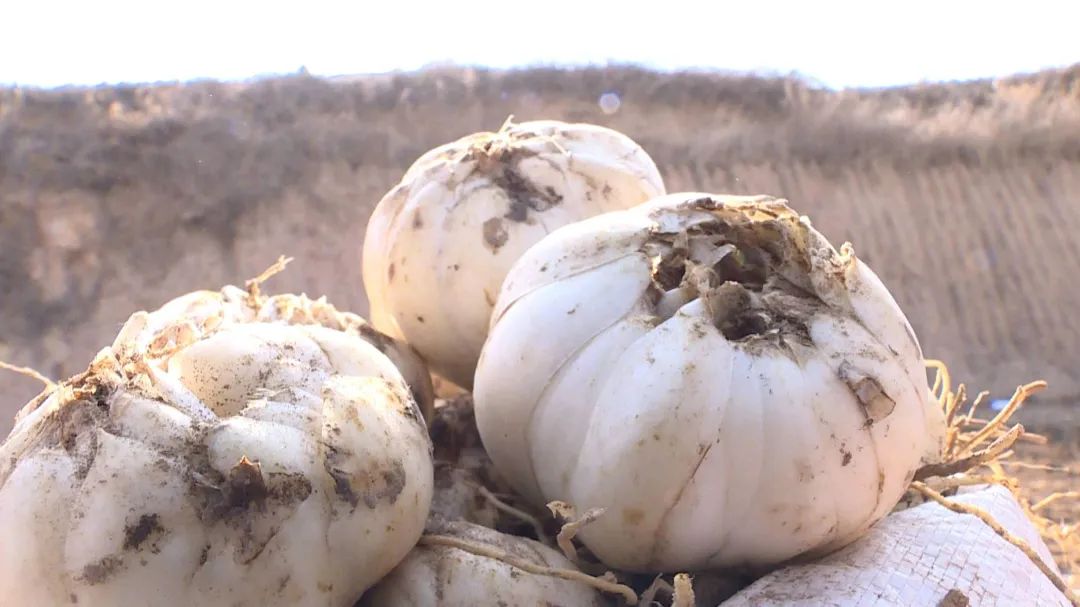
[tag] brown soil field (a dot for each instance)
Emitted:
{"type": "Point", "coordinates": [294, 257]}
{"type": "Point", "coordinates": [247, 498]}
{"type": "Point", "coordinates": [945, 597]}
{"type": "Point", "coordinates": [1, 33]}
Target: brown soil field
{"type": "Point", "coordinates": [964, 197]}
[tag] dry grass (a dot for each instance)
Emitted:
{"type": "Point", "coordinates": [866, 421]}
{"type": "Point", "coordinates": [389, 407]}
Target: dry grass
{"type": "Point", "coordinates": [115, 199]}
{"type": "Point", "coordinates": [1050, 491]}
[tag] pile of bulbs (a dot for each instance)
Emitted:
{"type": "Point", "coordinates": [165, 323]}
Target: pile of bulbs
{"type": "Point", "coordinates": [694, 382]}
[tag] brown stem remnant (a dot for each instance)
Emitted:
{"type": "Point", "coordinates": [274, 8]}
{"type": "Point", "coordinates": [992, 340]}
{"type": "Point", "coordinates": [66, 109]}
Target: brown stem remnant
{"type": "Point", "coordinates": [749, 265]}
{"type": "Point", "coordinates": [991, 453]}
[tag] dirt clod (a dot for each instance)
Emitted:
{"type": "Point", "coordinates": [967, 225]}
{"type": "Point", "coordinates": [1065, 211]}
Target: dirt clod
{"type": "Point", "coordinates": [135, 535]}
{"type": "Point", "coordinates": [955, 598]}
{"type": "Point", "coordinates": [495, 234]}
{"type": "Point", "coordinates": [371, 486]}
{"type": "Point", "coordinates": [524, 195]}
{"type": "Point", "coordinates": [101, 571]}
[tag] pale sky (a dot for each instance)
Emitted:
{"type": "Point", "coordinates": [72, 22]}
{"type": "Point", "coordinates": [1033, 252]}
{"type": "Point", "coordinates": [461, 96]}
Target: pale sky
{"type": "Point", "coordinates": [836, 43]}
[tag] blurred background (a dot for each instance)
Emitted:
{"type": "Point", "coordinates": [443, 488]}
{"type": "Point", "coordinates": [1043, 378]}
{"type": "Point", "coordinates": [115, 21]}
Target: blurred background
{"type": "Point", "coordinates": [146, 151]}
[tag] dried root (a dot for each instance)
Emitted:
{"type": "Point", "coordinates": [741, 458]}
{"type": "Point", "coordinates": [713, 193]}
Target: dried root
{"type": "Point", "coordinates": [972, 444]}
{"type": "Point", "coordinates": [658, 585]}
{"type": "Point", "coordinates": [680, 590]}
{"type": "Point", "coordinates": [31, 373]}
{"type": "Point", "coordinates": [684, 591]}
{"type": "Point", "coordinates": [573, 523]}
{"type": "Point", "coordinates": [605, 583]}
{"type": "Point", "coordinates": [1003, 532]}
{"type": "Point", "coordinates": [1042, 467]}
{"type": "Point", "coordinates": [1000, 445]}
{"type": "Point", "coordinates": [538, 527]}
{"type": "Point", "coordinates": [1046, 501]}
{"type": "Point", "coordinates": [252, 285]}
{"type": "Point", "coordinates": [50, 388]}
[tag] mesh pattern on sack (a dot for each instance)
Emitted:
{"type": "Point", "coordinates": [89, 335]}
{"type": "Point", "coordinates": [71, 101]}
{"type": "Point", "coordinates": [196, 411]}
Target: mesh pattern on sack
{"type": "Point", "coordinates": [915, 557]}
